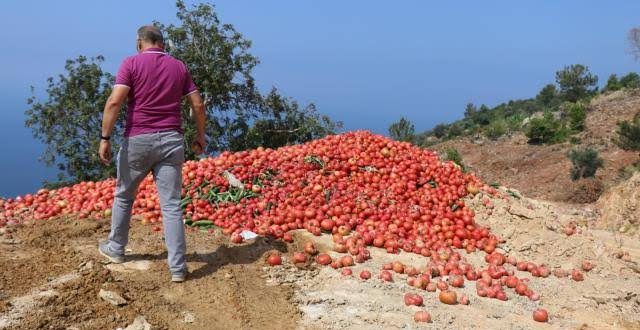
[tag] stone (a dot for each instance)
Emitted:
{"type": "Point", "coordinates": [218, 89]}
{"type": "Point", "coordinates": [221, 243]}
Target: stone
{"type": "Point", "coordinates": [188, 317]}
{"type": "Point", "coordinates": [130, 266]}
{"type": "Point", "coordinates": [112, 297]}
{"type": "Point", "coordinates": [140, 323]}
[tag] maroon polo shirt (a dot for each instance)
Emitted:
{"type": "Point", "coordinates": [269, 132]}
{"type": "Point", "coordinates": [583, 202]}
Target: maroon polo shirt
{"type": "Point", "coordinates": [157, 82]}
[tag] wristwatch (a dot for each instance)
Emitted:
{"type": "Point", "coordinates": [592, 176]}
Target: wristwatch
{"type": "Point", "coordinates": [105, 137]}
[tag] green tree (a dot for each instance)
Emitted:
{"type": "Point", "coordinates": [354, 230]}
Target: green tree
{"type": "Point", "coordinates": [545, 130]}
{"type": "Point", "coordinates": [613, 84]}
{"type": "Point", "coordinates": [628, 134]}
{"type": "Point", "coordinates": [283, 122]}
{"type": "Point", "coordinates": [470, 111]}
{"type": "Point", "coordinates": [585, 163]}
{"type": "Point", "coordinates": [496, 129]}
{"type": "Point", "coordinates": [69, 121]}
{"type": "Point", "coordinates": [220, 63]}
{"type": "Point", "coordinates": [455, 130]}
{"type": "Point", "coordinates": [440, 131]}
{"type": "Point", "coordinates": [547, 95]}
{"type": "Point", "coordinates": [631, 80]}
{"type": "Point", "coordinates": [402, 130]}
{"type": "Point", "coordinates": [218, 57]}
{"type": "Point", "coordinates": [577, 114]}
{"type": "Point", "coordinates": [576, 82]}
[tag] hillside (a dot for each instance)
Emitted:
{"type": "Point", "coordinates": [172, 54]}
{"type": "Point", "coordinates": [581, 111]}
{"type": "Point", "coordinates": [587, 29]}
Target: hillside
{"type": "Point", "coordinates": [542, 171]}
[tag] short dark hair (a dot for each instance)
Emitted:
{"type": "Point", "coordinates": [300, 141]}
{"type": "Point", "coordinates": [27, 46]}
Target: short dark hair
{"type": "Point", "coordinates": [151, 34]}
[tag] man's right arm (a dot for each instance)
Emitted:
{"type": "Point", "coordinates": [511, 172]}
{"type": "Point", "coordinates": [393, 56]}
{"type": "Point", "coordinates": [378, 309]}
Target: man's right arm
{"type": "Point", "coordinates": [197, 105]}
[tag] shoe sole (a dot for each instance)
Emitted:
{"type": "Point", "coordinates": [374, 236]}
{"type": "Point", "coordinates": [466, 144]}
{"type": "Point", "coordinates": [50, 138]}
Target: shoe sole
{"type": "Point", "coordinates": [112, 259]}
{"type": "Point", "coordinates": [177, 280]}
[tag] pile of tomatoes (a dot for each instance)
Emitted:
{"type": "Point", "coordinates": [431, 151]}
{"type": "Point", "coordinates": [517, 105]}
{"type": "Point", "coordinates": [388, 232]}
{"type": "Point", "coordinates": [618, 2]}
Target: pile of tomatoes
{"type": "Point", "coordinates": [363, 188]}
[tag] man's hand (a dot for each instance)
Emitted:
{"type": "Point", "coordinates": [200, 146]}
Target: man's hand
{"type": "Point", "coordinates": [199, 116]}
{"type": "Point", "coordinates": [198, 144]}
{"type": "Point", "coordinates": [104, 152]}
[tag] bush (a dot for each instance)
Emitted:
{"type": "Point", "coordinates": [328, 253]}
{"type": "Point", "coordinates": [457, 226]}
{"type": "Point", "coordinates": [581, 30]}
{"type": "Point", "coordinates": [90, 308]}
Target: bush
{"type": "Point", "coordinates": [576, 113]}
{"type": "Point", "coordinates": [496, 129]}
{"type": "Point", "coordinates": [455, 130]}
{"type": "Point", "coordinates": [585, 163]}
{"type": "Point", "coordinates": [402, 130]}
{"type": "Point", "coordinates": [440, 131]}
{"type": "Point", "coordinates": [629, 134]}
{"type": "Point", "coordinates": [613, 84]}
{"type": "Point", "coordinates": [453, 155]}
{"type": "Point", "coordinates": [546, 130]}
{"type": "Point", "coordinates": [631, 80]}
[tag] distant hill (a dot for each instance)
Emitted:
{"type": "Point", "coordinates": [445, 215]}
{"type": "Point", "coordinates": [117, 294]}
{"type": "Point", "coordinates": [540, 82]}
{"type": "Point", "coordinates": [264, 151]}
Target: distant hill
{"type": "Point", "coordinates": [542, 171]}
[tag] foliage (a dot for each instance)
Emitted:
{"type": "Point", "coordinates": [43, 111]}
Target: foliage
{"type": "Point", "coordinates": [577, 114]}
{"type": "Point", "coordinates": [631, 80]}
{"type": "Point", "coordinates": [282, 122]}
{"type": "Point", "coordinates": [440, 131]}
{"type": "Point", "coordinates": [585, 163]}
{"type": "Point", "coordinates": [548, 95]}
{"type": "Point", "coordinates": [496, 129]}
{"type": "Point", "coordinates": [576, 82]}
{"type": "Point", "coordinates": [455, 130]}
{"type": "Point", "coordinates": [218, 57]}
{"type": "Point", "coordinates": [69, 121]}
{"type": "Point", "coordinates": [452, 154]}
{"type": "Point", "coordinates": [546, 130]}
{"type": "Point", "coordinates": [613, 84]}
{"type": "Point", "coordinates": [628, 134]}
{"type": "Point", "coordinates": [219, 61]}
{"type": "Point", "coordinates": [402, 130]}
{"type": "Point", "coordinates": [470, 111]}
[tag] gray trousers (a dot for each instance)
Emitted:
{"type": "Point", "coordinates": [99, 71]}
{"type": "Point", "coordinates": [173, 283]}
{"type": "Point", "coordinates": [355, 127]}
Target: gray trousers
{"type": "Point", "coordinates": [162, 154]}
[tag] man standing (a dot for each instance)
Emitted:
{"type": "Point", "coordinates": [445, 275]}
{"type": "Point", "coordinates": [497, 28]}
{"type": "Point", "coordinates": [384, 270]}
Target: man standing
{"type": "Point", "coordinates": [155, 84]}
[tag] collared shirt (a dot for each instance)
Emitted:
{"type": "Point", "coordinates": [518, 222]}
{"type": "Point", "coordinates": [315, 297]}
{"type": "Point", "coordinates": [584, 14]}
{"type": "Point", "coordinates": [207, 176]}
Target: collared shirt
{"type": "Point", "coordinates": [157, 82]}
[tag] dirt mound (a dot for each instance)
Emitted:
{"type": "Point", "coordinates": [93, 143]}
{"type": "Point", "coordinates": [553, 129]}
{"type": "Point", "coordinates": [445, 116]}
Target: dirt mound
{"type": "Point", "coordinates": [620, 207]}
{"type": "Point", "coordinates": [541, 171]}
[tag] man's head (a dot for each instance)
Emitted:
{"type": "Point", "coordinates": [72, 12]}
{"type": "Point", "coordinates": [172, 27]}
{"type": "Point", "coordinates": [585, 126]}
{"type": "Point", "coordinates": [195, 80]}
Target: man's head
{"type": "Point", "coordinates": [149, 36]}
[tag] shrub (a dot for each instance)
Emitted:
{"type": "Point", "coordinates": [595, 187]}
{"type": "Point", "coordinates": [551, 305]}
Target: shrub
{"type": "Point", "coordinates": [402, 130]}
{"type": "Point", "coordinates": [613, 84]}
{"type": "Point", "coordinates": [546, 130]}
{"type": "Point", "coordinates": [440, 131]}
{"type": "Point", "coordinates": [631, 80]}
{"type": "Point", "coordinates": [455, 130]}
{"type": "Point", "coordinates": [453, 155]}
{"type": "Point", "coordinates": [495, 129]}
{"type": "Point", "coordinates": [629, 134]}
{"type": "Point", "coordinates": [585, 163]}
{"type": "Point", "coordinates": [577, 114]}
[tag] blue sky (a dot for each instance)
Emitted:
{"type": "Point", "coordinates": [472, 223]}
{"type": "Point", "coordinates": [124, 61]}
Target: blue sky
{"type": "Point", "coordinates": [363, 62]}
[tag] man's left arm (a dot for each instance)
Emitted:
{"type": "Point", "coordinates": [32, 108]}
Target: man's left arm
{"type": "Point", "coordinates": [111, 110]}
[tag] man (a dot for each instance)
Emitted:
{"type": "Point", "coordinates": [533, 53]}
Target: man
{"type": "Point", "coordinates": [155, 84]}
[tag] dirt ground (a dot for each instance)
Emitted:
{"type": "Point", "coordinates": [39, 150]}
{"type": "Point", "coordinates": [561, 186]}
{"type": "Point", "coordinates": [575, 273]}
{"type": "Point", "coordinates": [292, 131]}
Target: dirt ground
{"type": "Point", "coordinates": [52, 275]}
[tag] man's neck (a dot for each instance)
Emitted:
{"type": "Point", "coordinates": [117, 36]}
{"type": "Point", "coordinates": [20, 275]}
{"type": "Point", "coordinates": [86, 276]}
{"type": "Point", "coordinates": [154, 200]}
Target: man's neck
{"type": "Point", "coordinates": [151, 48]}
